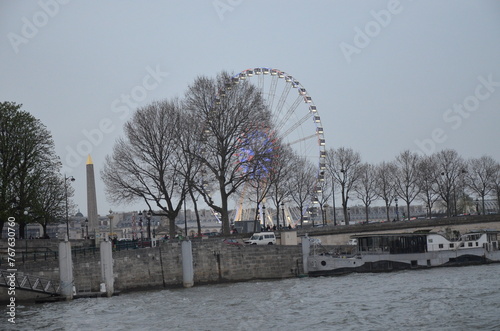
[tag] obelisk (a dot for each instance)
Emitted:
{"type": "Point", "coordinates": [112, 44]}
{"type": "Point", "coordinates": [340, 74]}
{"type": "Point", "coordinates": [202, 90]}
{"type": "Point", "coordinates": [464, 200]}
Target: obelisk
{"type": "Point", "coordinates": [91, 199]}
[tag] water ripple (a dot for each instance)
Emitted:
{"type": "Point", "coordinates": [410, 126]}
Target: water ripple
{"type": "Point", "coordinates": [442, 298]}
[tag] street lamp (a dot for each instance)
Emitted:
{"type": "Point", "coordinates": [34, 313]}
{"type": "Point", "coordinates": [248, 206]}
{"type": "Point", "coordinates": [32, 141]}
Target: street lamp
{"type": "Point", "coordinates": [264, 216]}
{"type": "Point", "coordinates": [26, 213]}
{"type": "Point", "coordinates": [71, 178]}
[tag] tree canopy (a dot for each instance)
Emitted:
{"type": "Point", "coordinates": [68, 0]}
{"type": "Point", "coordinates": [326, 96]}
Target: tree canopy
{"type": "Point", "coordinates": [29, 170]}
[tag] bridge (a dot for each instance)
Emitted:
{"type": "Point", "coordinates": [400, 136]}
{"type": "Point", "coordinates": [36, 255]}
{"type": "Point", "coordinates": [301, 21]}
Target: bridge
{"type": "Point", "coordinates": [340, 235]}
{"type": "Point", "coordinates": [28, 282]}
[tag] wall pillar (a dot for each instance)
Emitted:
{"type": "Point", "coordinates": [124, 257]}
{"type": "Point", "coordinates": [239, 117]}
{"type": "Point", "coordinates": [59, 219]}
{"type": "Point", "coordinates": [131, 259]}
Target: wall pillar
{"type": "Point", "coordinates": [187, 264]}
{"type": "Point", "coordinates": [66, 269]}
{"type": "Point", "coordinates": [107, 267]}
{"type": "Point", "coordinates": [306, 249]}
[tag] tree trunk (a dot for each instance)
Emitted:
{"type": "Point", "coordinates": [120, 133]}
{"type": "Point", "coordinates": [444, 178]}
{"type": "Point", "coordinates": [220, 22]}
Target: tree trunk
{"type": "Point", "coordinates": [171, 227]}
{"type": "Point", "coordinates": [498, 201]}
{"type": "Point", "coordinates": [256, 219]}
{"type": "Point", "coordinates": [225, 216]}
{"type": "Point", "coordinates": [387, 211]}
{"type": "Point", "coordinates": [344, 207]}
{"type": "Point", "coordinates": [408, 210]}
{"type": "Point", "coordinates": [198, 223]}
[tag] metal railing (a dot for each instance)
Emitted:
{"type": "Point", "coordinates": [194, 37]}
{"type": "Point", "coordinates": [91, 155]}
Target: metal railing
{"type": "Point", "coordinates": [28, 282]}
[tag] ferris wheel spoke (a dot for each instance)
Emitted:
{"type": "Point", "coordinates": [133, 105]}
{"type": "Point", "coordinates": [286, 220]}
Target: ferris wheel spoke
{"type": "Point", "coordinates": [289, 113]}
{"type": "Point", "coordinates": [291, 143]}
{"type": "Point", "coordinates": [283, 97]}
{"type": "Point", "coordinates": [272, 91]}
{"type": "Point", "coordinates": [295, 126]}
{"type": "Point", "coordinates": [260, 81]}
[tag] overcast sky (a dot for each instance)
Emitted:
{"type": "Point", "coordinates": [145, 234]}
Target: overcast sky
{"type": "Point", "coordinates": [386, 76]}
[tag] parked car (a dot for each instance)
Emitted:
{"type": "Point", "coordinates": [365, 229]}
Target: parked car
{"type": "Point", "coordinates": [262, 238]}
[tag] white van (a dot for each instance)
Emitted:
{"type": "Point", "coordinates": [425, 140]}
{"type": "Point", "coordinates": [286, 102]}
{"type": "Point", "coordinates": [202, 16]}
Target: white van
{"type": "Point", "coordinates": [263, 238]}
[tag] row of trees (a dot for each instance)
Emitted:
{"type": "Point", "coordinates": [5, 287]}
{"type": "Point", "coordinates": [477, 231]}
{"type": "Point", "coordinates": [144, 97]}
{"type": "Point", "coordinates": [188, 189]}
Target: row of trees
{"type": "Point", "coordinates": [218, 143]}
{"type": "Point", "coordinates": [31, 186]}
{"type": "Point", "coordinates": [175, 149]}
{"type": "Point", "coordinates": [443, 177]}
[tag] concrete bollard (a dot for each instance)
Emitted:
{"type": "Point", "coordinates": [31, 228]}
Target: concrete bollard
{"type": "Point", "coordinates": [66, 270]}
{"type": "Point", "coordinates": [306, 249]}
{"type": "Point", "coordinates": [107, 267]}
{"type": "Point", "coordinates": [187, 264]}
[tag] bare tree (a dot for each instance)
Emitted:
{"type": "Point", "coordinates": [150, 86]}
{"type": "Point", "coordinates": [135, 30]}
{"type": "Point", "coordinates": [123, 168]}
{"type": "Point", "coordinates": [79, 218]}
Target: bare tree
{"type": "Point", "coordinates": [260, 184]}
{"type": "Point", "coordinates": [281, 175]}
{"type": "Point", "coordinates": [450, 166]}
{"type": "Point", "coordinates": [427, 181]}
{"type": "Point", "coordinates": [235, 136]}
{"type": "Point", "coordinates": [385, 184]}
{"type": "Point", "coordinates": [302, 186]}
{"type": "Point", "coordinates": [326, 190]}
{"type": "Point", "coordinates": [146, 164]}
{"type": "Point", "coordinates": [495, 184]}
{"type": "Point", "coordinates": [190, 166]}
{"type": "Point", "coordinates": [406, 179]}
{"type": "Point", "coordinates": [344, 166]}
{"type": "Point", "coordinates": [479, 175]}
{"type": "Point", "coordinates": [366, 188]}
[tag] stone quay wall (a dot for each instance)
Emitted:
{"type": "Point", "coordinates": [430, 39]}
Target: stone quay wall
{"type": "Point", "coordinates": [161, 266]}
{"type": "Point", "coordinates": [213, 262]}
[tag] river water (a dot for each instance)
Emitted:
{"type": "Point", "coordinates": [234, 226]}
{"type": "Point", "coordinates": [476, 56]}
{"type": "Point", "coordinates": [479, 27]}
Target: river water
{"type": "Point", "coordinates": [459, 298]}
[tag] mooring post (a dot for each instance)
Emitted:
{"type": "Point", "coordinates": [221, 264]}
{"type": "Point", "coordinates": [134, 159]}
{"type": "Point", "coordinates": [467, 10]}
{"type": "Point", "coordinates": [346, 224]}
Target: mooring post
{"type": "Point", "coordinates": [187, 264]}
{"type": "Point", "coordinates": [66, 269]}
{"type": "Point", "coordinates": [306, 249]}
{"type": "Point", "coordinates": [107, 267]}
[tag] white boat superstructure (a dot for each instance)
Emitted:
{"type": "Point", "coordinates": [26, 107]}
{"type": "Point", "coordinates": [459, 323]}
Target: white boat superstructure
{"type": "Point", "coordinates": [387, 252]}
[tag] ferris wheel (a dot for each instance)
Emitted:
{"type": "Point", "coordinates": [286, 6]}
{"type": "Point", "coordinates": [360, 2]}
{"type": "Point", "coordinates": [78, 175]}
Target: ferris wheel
{"type": "Point", "coordinates": [294, 115]}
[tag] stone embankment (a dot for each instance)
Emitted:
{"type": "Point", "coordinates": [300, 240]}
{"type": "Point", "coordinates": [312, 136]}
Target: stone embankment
{"type": "Point", "coordinates": [213, 260]}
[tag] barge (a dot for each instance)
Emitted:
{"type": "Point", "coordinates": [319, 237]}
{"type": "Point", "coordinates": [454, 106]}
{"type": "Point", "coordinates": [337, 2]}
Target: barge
{"type": "Point", "coordinates": [390, 252]}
